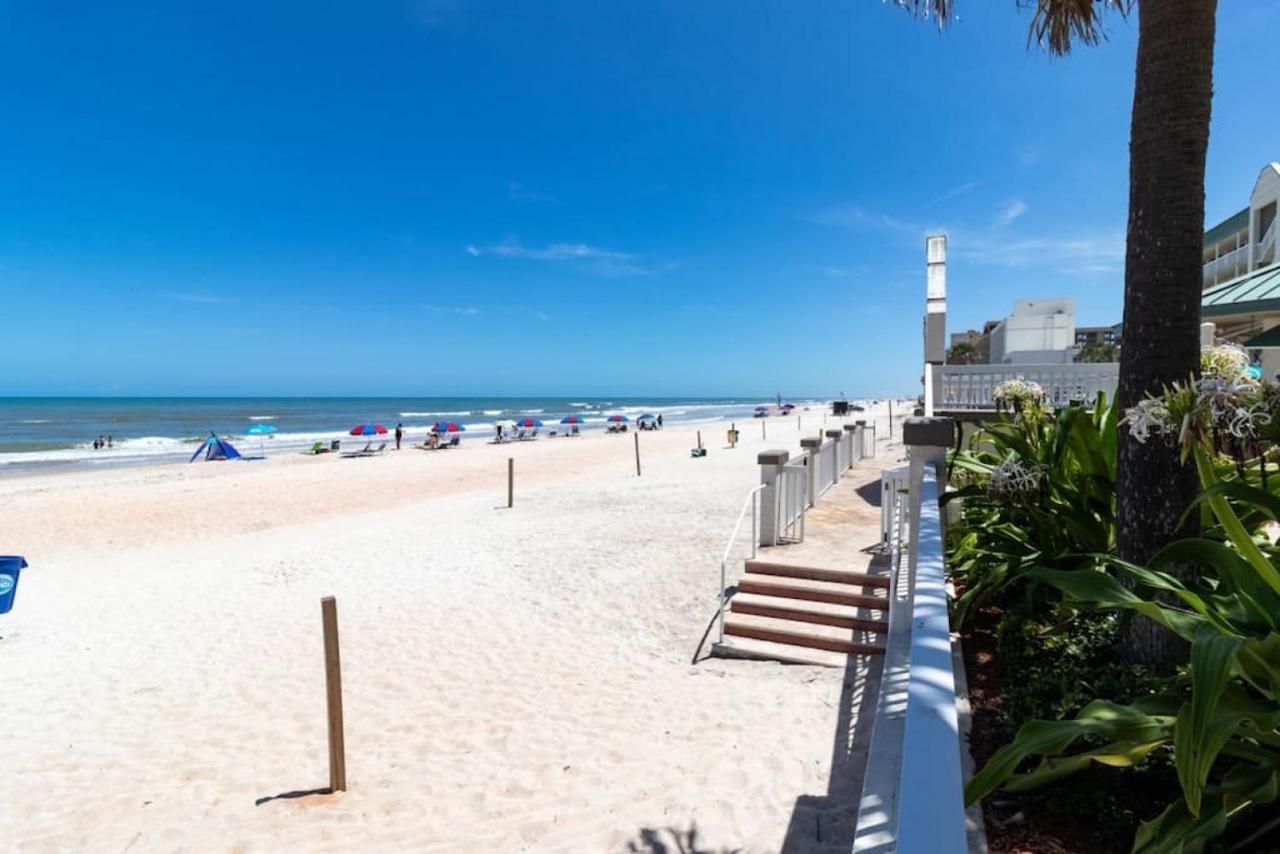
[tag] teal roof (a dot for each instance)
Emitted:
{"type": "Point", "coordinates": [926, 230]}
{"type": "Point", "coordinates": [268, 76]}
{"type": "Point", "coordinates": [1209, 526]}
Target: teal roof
{"type": "Point", "coordinates": [1226, 228]}
{"type": "Point", "coordinates": [1270, 338]}
{"type": "Point", "coordinates": [1251, 293]}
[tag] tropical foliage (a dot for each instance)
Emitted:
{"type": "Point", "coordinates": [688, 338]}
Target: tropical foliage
{"type": "Point", "coordinates": [1221, 718]}
{"type": "Point", "coordinates": [1039, 490]}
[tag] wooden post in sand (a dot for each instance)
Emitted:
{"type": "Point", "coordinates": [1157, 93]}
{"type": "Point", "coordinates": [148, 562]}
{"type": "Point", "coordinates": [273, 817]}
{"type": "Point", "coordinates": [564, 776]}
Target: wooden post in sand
{"type": "Point", "coordinates": [333, 684]}
{"type": "Point", "coordinates": [763, 435]}
{"type": "Point", "coordinates": [699, 439]}
{"type": "Point", "coordinates": [636, 436]}
{"type": "Point", "coordinates": [511, 482]}
{"type": "Point", "coordinates": [891, 419]}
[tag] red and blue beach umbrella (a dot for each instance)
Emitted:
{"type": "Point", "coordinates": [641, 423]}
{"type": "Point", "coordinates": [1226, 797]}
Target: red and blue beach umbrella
{"type": "Point", "coordinates": [617, 418]}
{"type": "Point", "coordinates": [571, 419]}
{"type": "Point", "coordinates": [369, 429]}
{"type": "Point", "coordinates": [447, 427]}
{"type": "Point", "coordinates": [528, 422]}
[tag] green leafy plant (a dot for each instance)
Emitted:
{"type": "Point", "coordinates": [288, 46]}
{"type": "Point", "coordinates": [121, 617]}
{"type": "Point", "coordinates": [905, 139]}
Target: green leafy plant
{"type": "Point", "coordinates": [1038, 490]}
{"type": "Point", "coordinates": [1222, 724]}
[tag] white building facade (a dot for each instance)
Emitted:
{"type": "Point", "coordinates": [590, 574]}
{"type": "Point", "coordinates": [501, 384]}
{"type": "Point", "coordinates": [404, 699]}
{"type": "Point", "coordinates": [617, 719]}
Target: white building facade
{"type": "Point", "coordinates": [1039, 332]}
{"type": "Point", "coordinates": [1245, 241]}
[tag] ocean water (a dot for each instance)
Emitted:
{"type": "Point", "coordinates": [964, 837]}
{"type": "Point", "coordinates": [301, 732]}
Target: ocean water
{"type": "Point", "coordinates": [57, 433]}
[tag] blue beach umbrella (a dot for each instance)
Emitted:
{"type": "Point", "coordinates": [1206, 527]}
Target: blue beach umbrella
{"type": "Point", "coordinates": [571, 419]}
{"type": "Point", "coordinates": [261, 431]}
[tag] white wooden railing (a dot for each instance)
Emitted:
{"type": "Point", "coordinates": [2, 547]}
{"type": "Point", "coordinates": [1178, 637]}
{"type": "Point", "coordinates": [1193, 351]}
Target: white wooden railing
{"type": "Point", "coordinates": [912, 795]}
{"type": "Point", "coordinates": [793, 500]}
{"type": "Point", "coordinates": [1264, 245]}
{"type": "Point", "coordinates": [752, 505]}
{"type": "Point", "coordinates": [973, 386]}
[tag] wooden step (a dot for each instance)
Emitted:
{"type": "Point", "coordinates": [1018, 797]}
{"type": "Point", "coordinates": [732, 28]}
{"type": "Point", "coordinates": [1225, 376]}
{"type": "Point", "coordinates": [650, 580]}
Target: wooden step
{"type": "Point", "coordinates": [758, 650]}
{"type": "Point", "coordinates": [823, 613]}
{"type": "Point", "coordinates": [816, 573]}
{"type": "Point", "coordinates": [814, 591]}
{"type": "Point", "coordinates": [797, 634]}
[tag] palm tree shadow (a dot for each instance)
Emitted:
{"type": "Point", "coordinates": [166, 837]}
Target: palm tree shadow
{"type": "Point", "coordinates": [672, 840]}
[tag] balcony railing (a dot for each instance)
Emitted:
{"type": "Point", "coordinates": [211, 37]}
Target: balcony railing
{"type": "Point", "coordinates": [967, 387]}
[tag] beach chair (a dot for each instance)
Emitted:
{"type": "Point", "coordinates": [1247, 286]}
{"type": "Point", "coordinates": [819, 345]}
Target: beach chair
{"type": "Point", "coordinates": [454, 440]}
{"type": "Point", "coordinates": [333, 446]}
{"type": "Point", "coordinates": [533, 434]}
{"type": "Point", "coordinates": [317, 448]}
{"type": "Point", "coordinates": [574, 430]}
{"type": "Point", "coordinates": [379, 449]}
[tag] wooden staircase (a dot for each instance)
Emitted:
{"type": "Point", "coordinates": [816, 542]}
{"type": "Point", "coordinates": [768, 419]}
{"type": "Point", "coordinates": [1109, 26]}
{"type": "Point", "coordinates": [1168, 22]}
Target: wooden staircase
{"type": "Point", "coordinates": [805, 614]}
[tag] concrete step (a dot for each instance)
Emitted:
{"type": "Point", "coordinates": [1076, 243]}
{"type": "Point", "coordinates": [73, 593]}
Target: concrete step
{"type": "Point", "coordinates": [758, 650]}
{"type": "Point", "coordinates": [817, 573]}
{"type": "Point", "coordinates": [814, 591]}
{"type": "Point", "coordinates": [824, 613]}
{"type": "Point", "coordinates": [797, 634]}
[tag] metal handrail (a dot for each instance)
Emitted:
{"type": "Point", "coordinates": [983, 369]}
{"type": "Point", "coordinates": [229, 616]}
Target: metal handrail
{"type": "Point", "coordinates": [751, 502]}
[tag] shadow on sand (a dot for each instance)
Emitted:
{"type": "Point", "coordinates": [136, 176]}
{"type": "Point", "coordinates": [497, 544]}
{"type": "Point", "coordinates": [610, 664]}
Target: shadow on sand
{"type": "Point", "coordinates": [672, 840]}
{"type": "Point", "coordinates": [827, 822]}
{"type": "Point", "coordinates": [288, 796]}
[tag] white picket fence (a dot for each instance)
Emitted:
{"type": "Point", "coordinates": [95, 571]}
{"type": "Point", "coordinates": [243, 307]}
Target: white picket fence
{"type": "Point", "coordinates": [973, 386]}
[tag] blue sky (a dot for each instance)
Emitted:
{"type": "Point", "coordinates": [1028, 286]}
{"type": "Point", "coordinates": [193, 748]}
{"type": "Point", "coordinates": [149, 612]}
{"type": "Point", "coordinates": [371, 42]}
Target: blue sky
{"type": "Point", "coordinates": [465, 197]}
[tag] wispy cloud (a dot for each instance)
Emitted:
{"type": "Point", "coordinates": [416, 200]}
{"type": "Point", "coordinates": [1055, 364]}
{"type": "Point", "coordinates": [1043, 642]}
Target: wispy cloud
{"type": "Point", "coordinates": [207, 299]}
{"type": "Point", "coordinates": [957, 190]}
{"type": "Point", "coordinates": [511, 248]}
{"type": "Point", "coordinates": [436, 14]}
{"type": "Point", "coordinates": [464, 310]}
{"type": "Point", "coordinates": [831, 272]}
{"type": "Point", "coordinates": [854, 216]}
{"type": "Point", "coordinates": [517, 192]}
{"type": "Point", "coordinates": [535, 313]}
{"type": "Point", "coordinates": [1010, 211]}
{"type": "Point", "coordinates": [1089, 253]}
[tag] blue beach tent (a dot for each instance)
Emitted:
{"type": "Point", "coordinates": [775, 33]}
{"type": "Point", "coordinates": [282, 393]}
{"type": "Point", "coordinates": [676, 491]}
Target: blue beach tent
{"type": "Point", "coordinates": [214, 448]}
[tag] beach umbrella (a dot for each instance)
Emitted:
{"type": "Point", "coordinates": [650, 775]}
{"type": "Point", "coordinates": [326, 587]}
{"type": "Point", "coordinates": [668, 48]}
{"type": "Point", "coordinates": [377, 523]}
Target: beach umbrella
{"type": "Point", "coordinates": [618, 419]}
{"type": "Point", "coordinates": [529, 422]}
{"type": "Point", "coordinates": [261, 431]}
{"type": "Point", "coordinates": [571, 419]}
{"type": "Point", "coordinates": [788, 406]}
{"type": "Point", "coordinates": [369, 429]}
{"type": "Point", "coordinates": [447, 427]}
{"type": "Point", "coordinates": [648, 416]}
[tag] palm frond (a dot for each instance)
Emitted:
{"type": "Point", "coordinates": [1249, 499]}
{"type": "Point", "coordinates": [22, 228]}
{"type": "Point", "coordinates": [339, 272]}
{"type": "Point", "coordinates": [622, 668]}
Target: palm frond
{"type": "Point", "coordinates": [1056, 25]}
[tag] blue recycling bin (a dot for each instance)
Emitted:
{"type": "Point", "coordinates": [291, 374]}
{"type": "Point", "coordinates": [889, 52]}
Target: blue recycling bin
{"type": "Point", "coordinates": [10, 567]}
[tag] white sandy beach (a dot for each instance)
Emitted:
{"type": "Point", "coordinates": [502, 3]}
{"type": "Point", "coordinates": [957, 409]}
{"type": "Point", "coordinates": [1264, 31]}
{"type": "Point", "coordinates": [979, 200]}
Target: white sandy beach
{"type": "Point", "coordinates": [515, 680]}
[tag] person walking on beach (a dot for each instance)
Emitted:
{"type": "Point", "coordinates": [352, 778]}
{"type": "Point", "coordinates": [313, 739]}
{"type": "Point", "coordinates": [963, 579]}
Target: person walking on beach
{"type": "Point", "coordinates": [399, 434]}
{"type": "Point", "coordinates": [659, 420]}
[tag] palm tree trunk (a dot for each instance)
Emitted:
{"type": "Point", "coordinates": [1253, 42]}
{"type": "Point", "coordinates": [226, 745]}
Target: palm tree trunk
{"type": "Point", "coordinates": [1169, 134]}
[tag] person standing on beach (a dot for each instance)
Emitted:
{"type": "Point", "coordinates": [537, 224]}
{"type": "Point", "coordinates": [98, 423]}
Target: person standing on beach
{"type": "Point", "coordinates": [399, 434]}
{"type": "Point", "coordinates": [109, 440]}
{"type": "Point", "coordinates": [659, 420]}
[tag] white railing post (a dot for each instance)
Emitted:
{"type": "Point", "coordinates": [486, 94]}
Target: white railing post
{"type": "Point", "coordinates": [812, 448]}
{"type": "Point", "coordinates": [771, 463]}
{"type": "Point", "coordinates": [851, 441]}
{"type": "Point", "coordinates": [833, 440]}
